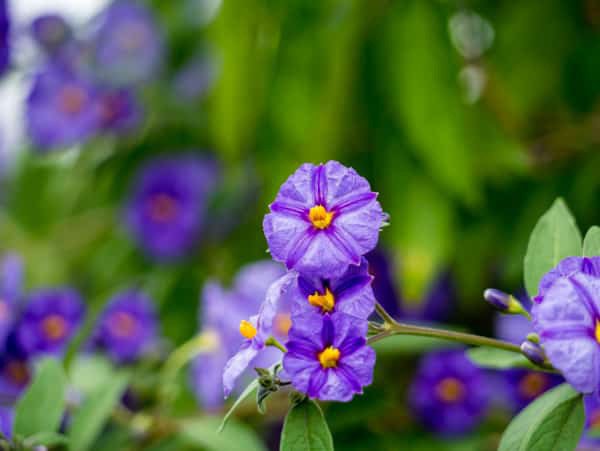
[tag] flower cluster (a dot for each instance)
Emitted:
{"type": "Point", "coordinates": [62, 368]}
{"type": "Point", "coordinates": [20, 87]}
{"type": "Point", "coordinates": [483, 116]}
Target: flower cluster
{"type": "Point", "coordinates": [87, 86]}
{"type": "Point", "coordinates": [325, 218]}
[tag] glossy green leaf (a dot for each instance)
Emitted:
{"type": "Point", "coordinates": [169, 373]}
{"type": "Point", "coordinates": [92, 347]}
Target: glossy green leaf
{"type": "Point", "coordinates": [305, 429]}
{"type": "Point", "coordinates": [554, 237]}
{"type": "Point", "coordinates": [554, 421]}
{"type": "Point", "coordinates": [89, 419]}
{"type": "Point", "coordinates": [41, 408]}
{"type": "Point", "coordinates": [591, 242]}
{"type": "Point", "coordinates": [203, 432]}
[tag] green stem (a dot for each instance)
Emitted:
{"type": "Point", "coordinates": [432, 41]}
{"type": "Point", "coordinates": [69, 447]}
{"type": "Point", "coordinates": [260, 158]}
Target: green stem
{"type": "Point", "coordinates": [272, 341]}
{"type": "Point", "coordinates": [392, 327]}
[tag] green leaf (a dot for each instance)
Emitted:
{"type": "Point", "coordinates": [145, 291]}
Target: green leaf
{"type": "Point", "coordinates": [248, 391]}
{"type": "Point", "coordinates": [409, 345]}
{"type": "Point", "coordinates": [554, 237]}
{"type": "Point", "coordinates": [89, 419]}
{"type": "Point", "coordinates": [305, 429]}
{"type": "Point", "coordinates": [498, 359]}
{"type": "Point", "coordinates": [591, 242]}
{"type": "Point", "coordinates": [203, 432]}
{"type": "Point", "coordinates": [41, 408]}
{"type": "Point", "coordinates": [47, 439]}
{"type": "Point", "coordinates": [554, 421]}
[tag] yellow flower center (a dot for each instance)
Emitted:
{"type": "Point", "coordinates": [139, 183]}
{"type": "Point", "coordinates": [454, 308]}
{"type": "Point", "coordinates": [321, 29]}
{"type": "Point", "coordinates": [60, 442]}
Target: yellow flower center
{"type": "Point", "coordinates": [320, 217]}
{"type": "Point", "coordinates": [247, 329]}
{"type": "Point", "coordinates": [532, 385]}
{"type": "Point", "coordinates": [326, 300]}
{"type": "Point", "coordinates": [329, 357]}
{"type": "Point", "coordinates": [283, 323]}
{"type": "Point", "coordinates": [597, 331]}
{"type": "Point", "coordinates": [450, 389]}
{"type": "Point", "coordinates": [54, 327]}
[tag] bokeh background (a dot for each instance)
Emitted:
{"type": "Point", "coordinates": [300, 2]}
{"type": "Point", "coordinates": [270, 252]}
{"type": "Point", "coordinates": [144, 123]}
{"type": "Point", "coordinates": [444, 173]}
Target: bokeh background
{"type": "Point", "coordinates": [469, 119]}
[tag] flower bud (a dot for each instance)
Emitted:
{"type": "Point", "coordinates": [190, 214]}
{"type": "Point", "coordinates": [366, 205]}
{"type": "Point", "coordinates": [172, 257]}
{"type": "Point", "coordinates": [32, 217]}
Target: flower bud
{"type": "Point", "coordinates": [505, 303]}
{"type": "Point", "coordinates": [534, 353]}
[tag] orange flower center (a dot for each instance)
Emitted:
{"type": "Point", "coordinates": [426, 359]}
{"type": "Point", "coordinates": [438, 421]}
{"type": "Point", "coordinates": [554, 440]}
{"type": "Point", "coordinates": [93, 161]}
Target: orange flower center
{"type": "Point", "coordinates": [320, 217]}
{"type": "Point", "coordinates": [326, 300]}
{"type": "Point", "coordinates": [532, 385]}
{"type": "Point", "coordinates": [247, 329]}
{"type": "Point", "coordinates": [55, 327]}
{"type": "Point", "coordinates": [329, 357]}
{"type": "Point", "coordinates": [122, 324]}
{"type": "Point", "coordinates": [4, 310]}
{"type": "Point", "coordinates": [17, 372]}
{"type": "Point", "coordinates": [450, 390]}
{"type": "Point", "coordinates": [163, 207]}
{"type": "Point", "coordinates": [283, 323]}
{"type": "Point", "coordinates": [72, 98]}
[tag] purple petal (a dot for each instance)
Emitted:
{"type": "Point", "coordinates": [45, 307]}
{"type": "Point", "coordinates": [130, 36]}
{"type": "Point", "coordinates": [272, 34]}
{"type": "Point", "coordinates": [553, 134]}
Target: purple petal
{"type": "Point", "coordinates": [299, 370]}
{"type": "Point", "coordinates": [237, 364]}
{"type": "Point", "coordinates": [578, 360]}
{"type": "Point", "coordinates": [335, 388]}
{"type": "Point", "coordinates": [319, 183]}
{"type": "Point", "coordinates": [360, 364]}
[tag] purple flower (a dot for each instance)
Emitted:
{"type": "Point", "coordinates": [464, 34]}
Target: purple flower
{"type": "Point", "coordinates": [120, 110]}
{"type": "Point", "coordinates": [15, 375]}
{"type": "Point", "coordinates": [11, 285]}
{"type": "Point", "coordinates": [7, 416]}
{"type": "Point", "coordinates": [62, 108]}
{"type": "Point", "coordinates": [566, 316]}
{"type": "Point", "coordinates": [328, 358]}
{"type": "Point", "coordinates": [222, 312]}
{"type": "Point", "coordinates": [195, 78]}
{"type": "Point", "coordinates": [324, 219]}
{"type": "Point", "coordinates": [4, 36]}
{"type": "Point", "coordinates": [258, 329]}
{"type": "Point", "coordinates": [449, 394]}
{"type": "Point", "coordinates": [350, 293]}
{"type": "Point", "coordinates": [382, 268]}
{"type": "Point", "coordinates": [50, 31]}
{"type": "Point", "coordinates": [524, 386]}
{"type": "Point", "coordinates": [167, 204]}
{"type": "Point", "coordinates": [49, 320]}
{"type": "Point", "coordinates": [128, 327]}
{"type": "Point", "coordinates": [129, 44]}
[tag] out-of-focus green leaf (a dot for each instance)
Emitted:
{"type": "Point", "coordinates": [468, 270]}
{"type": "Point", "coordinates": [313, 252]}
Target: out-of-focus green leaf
{"type": "Point", "coordinates": [204, 432]}
{"type": "Point", "coordinates": [554, 237]}
{"type": "Point", "coordinates": [554, 421]}
{"type": "Point", "coordinates": [88, 372]}
{"type": "Point", "coordinates": [305, 429]}
{"type": "Point", "coordinates": [47, 439]}
{"type": "Point", "coordinates": [422, 86]}
{"type": "Point", "coordinates": [41, 408]}
{"type": "Point", "coordinates": [409, 345]}
{"type": "Point", "coordinates": [498, 359]}
{"type": "Point", "coordinates": [591, 242]}
{"type": "Point", "coordinates": [90, 417]}
{"type": "Point", "coordinates": [248, 391]}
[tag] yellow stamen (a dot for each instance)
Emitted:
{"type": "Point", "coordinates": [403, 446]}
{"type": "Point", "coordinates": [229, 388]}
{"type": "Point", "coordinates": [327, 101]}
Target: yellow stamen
{"type": "Point", "coordinates": [54, 326]}
{"type": "Point", "coordinates": [326, 301]}
{"type": "Point", "coordinates": [597, 331]}
{"type": "Point", "coordinates": [247, 329]}
{"type": "Point", "coordinates": [320, 217]}
{"type": "Point", "coordinates": [450, 389]}
{"type": "Point", "coordinates": [329, 357]}
{"type": "Point", "coordinates": [532, 385]}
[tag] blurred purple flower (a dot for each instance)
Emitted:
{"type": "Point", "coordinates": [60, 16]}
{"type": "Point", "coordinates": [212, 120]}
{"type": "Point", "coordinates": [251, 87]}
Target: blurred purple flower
{"type": "Point", "coordinates": [381, 267]}
{"type": "Point", "coordinates": [323, 219]}
{"type": "Point", "coordinates": [49, 321]}
{"type": "Point", "coordinates": [222, 311]}
{"type": "Point", "coordinates": [328, 358]}
{"type": "Point", "coordinates": [51, 32]}
{"type": "Point", "coordinates": [449, 394]}
{"type": "Point", "coordinates": [592, 422]}
{"type": "Point", "coordinates": [128, 327]}
{"type": "Point", "coordinates": [257, 329]}
{"type": "Point", "coordinates": [15, 374]}
{"type": "Point", "coordinates": [11, 290]}
{"type": "Point", "coordinates": [524, 386]}
{"type": "Point", "coordinates": [350, 293]}
{"type": "Point", "coordinates": [62, 108]}
{"type": "Point", "coordinates": [120, 110]}
{"type": "Point", "coordinates": [4, 36]}
{"type": "Point", "coordinates": [129, 44]}
{"type": "Point", "coordinates": [167, 204]}
{"type": "Point", "coordinates": [7, 416]}
{"type": "Point", "coordinates": [566, 316]}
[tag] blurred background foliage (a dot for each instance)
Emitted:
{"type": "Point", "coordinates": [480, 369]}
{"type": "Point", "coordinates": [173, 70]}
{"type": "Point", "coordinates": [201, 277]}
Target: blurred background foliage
{"type": "Point", "coordinates": [469, 118]}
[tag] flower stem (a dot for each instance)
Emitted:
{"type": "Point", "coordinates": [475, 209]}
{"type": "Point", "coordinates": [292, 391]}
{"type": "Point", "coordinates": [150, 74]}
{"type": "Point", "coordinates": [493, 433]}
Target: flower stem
{"type": "Point", "coordinates": [392, 327]}
{"type": "Point", "coordinates": [272, 341]}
